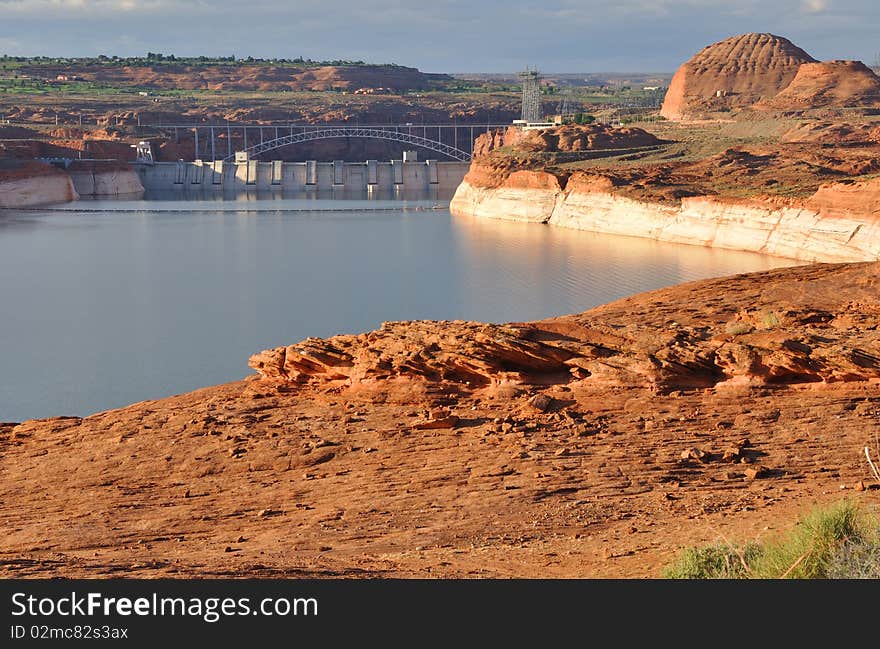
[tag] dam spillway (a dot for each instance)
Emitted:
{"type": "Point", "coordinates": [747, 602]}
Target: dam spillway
{"type": "Point", "coordinates": [227, 175]}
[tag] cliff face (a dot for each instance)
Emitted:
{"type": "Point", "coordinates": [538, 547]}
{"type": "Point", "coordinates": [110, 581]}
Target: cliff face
{"type": "Point", "coordinates": [105, 179]}
{"type": "Point", "coordinates": [26, 184]}
{"type": "Point", "coordinates": [836, 224]}
{"type": "Point", "coordinates": [522, 196]}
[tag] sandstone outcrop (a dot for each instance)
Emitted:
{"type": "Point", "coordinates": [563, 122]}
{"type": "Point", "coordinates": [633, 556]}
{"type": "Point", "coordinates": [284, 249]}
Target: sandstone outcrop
{"type": "Point", "coordinates": [105, 179]}
{"type": "Point", "coordinates": [734, 73]}
{"type": "Point", "coordinates": [767, 73]}
{"type": "Point", "coordinates": [26, 184]}
{"type": "Point", "coordinates": [569, 138]}
{"type": "Point", "coordinates": [242, 76]}
{"type": "Point", "coordinates": [466, 353]}
{"type": "Point", "coordinates": [776, 337]}
{"type": "Point", "coordinates": [837, 84]}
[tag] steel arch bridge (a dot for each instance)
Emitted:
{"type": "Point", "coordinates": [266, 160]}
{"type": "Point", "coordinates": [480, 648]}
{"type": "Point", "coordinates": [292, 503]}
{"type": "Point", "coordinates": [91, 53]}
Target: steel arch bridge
{"type": "Point", "coordinates": [378, 133]}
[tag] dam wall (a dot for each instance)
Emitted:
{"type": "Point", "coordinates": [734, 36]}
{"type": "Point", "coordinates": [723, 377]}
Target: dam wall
{"type": "Point", "coordinates": [301, 176]}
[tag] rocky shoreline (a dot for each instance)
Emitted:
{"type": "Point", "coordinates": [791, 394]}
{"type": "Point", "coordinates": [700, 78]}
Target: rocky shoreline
{"type": "Point", "coordinates": [105, 179]}
{"type": "Point", "coordinates": [837, 224]}
{"type": "Point", "coordinates": [33, 184]}
{"type": "Point", "coordinates": [779, 198]}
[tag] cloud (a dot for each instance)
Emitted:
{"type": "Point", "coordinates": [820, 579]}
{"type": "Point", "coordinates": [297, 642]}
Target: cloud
{"type": "Point", "coordinates": [437, 35]}
{"type": "Point", "coordinates": [9, 44]}
{"type": "Point", "coordinates": [814, 6]}
{"type": "Point", "coordinates": [50, 7]}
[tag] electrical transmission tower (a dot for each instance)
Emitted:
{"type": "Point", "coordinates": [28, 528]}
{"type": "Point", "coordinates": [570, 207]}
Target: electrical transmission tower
{"type": "Point", "coordinates": [531, 95]}
{"type": "Point", "coordinates": [565, 107]}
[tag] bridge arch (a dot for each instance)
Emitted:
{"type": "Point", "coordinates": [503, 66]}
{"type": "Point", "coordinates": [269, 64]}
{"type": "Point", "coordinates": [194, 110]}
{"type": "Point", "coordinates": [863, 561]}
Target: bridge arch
{"type": "Point", "coordinates": [379, 133]}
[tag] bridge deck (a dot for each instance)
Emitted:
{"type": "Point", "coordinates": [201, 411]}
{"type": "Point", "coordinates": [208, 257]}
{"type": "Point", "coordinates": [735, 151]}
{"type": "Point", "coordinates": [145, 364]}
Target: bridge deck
{"type": "Point", "coordinates": [440, 138]}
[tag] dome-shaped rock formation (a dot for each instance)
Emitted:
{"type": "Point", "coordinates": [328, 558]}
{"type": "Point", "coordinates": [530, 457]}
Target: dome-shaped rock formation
{"type": "Point", "coordinates": [735, 73]}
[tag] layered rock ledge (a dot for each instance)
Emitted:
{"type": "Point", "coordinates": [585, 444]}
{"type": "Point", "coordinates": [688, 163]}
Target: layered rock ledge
{"type": "Point", "coordinates": [775, 336]}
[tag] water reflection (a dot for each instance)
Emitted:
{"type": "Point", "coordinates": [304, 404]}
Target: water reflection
{"type": "Point", "coordinates": [528, 271]}
{"type": "Point", "coordinates": [378, 194]}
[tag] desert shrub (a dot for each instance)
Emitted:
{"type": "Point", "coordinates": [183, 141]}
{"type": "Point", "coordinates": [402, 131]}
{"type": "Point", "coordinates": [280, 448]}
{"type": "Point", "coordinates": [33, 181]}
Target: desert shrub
{"type": "Point", "coordinates": [855, 561]}
{"type": "Point", "coordinates": [837, 542]}
{"type": "Point", "coordinates": [719, 561]}
{"type": "Point", "coordinates": [807, 551]}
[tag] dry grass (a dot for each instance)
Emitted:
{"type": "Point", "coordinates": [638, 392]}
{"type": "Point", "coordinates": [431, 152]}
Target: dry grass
{"type": "Point", "coordinates": [838, 542]}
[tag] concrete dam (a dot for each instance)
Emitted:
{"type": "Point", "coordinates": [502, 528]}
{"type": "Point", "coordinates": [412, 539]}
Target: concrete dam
{"type": "Point", "coordinates": [405, 175]}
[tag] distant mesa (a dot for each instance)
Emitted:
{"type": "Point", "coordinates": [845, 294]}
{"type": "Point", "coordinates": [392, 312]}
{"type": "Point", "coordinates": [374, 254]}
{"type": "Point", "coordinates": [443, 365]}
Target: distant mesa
{"type": "Point", "coordinates": [256, 77]}
{"type": "Point", "coordinates": [765, 71]}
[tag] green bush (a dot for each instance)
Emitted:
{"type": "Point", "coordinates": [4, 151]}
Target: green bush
{"type": "Point", "coordinates": [718, 561]}
{"type": "Point", "coordinates": [583, 118]}
{"type": "Point", "coordinates": [838, 542]}
{"type": "Point", "coordinates": [808, 551]}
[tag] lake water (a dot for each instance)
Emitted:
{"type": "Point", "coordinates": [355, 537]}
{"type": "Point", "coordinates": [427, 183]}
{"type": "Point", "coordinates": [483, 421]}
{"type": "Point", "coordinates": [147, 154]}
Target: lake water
{"type": "Point", "coordinates": [105, 303]}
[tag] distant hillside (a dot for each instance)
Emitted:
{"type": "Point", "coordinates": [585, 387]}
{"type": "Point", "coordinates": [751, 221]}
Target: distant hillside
{"type": "Point", "coordinates": [580, 79]}
{"type": "Point", "coordinates": [248, 75]}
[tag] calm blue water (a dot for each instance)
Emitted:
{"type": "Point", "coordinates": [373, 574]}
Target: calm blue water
{"type": "Point", "coordinates": [106, 303]}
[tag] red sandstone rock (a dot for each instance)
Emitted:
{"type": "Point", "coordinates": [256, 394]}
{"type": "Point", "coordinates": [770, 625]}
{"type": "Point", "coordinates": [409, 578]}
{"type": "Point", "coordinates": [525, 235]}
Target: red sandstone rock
{"type": "Point", "coordinates": [569, 138]}
{"type": "Point", "coordinates": [785, 342]}
{"type": "Point", "coordinates": [838, 84]}
{"type": "Point", "coordinates": [742, 70]}
{"type": "Point", "coordinates": [13, 169]}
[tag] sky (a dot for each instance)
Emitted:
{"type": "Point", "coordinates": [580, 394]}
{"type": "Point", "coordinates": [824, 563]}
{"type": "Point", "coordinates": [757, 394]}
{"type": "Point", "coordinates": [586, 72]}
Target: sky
{"type": "Point", "coordinates": [440, 35]}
